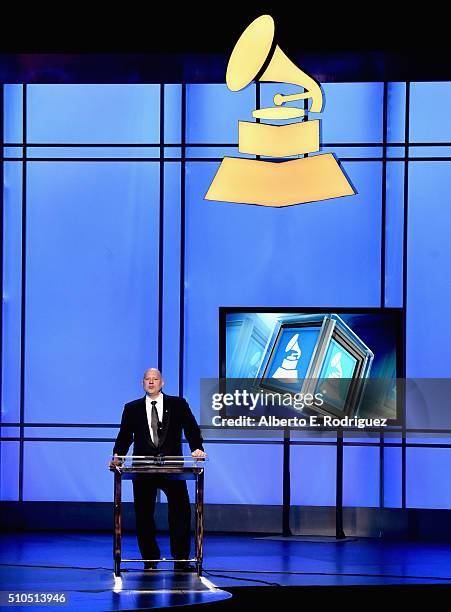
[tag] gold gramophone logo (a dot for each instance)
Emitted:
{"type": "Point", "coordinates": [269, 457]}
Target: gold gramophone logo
{"type": "Point", "coordinates": [288, 181]}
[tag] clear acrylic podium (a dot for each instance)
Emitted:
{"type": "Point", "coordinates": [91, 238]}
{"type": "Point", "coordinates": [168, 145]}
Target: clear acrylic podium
{"type": "Point", "coordinates": [177, 468]}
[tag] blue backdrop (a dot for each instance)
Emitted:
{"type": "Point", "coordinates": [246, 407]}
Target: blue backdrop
{"type": "Point", "coordinates": [103, 197]}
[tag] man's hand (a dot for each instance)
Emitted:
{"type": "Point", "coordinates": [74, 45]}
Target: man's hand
{"type": "Point", "coordinates": [114, 462]}
{"type": "Point", "coordinates": [199, 454]}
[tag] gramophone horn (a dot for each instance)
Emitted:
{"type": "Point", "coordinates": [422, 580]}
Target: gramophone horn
{"type": "Point", "coordinates": [250, 55]}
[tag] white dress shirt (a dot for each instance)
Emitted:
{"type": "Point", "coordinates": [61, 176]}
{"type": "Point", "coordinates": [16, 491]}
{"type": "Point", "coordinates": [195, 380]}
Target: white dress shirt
{"type": "Point", "coordinates": [159, 407]}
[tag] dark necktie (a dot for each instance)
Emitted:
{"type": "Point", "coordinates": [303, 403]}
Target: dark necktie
{"type": "Point", "coordinates": [154, 423]}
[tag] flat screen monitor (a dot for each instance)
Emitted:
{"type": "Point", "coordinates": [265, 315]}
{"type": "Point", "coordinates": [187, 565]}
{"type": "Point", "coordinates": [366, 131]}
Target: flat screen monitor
{"type": "Point", "coordinates": [351, 357]}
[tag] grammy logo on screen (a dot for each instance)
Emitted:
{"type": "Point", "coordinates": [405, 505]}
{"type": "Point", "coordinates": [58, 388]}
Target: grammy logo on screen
{"type": "Point", "coordinates": [286, 181]}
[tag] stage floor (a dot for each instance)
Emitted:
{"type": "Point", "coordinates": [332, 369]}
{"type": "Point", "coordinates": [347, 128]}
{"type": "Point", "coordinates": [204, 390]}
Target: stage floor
{"type": "Point", "coordinates": [80, 564]}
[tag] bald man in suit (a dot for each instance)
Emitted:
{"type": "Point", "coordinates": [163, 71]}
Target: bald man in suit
{"type": "Point", "coordinates": [154, 423]}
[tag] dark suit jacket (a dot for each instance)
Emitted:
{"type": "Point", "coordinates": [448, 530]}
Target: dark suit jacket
{"type": "Point", "coordinates": [176, 416]}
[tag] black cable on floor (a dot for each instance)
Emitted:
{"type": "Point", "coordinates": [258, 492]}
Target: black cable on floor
{"type": "Point", "coordinates": [276, 584]}
{"type": "Point", "coordinates": [447, 578]}
{"type": "Point", "coordinates": [108, 569]}
{"type": "Point", "coordinates": [271, 572]}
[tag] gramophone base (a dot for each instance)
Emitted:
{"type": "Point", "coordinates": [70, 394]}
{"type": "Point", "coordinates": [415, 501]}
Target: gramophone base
{"type": "Point", "coordinates": [295, 181]}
